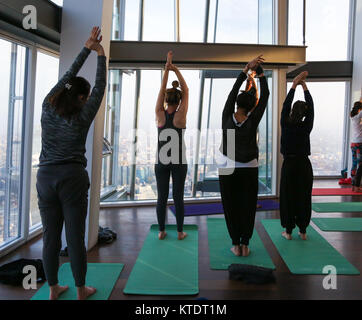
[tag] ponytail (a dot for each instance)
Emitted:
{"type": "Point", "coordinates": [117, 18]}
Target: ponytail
{"type": "Point", "coordinates": [66, 101]}
{"type": "Point", "coordinates": [174, 95]}
{"type": "Point", "coordinates": [356, 108]}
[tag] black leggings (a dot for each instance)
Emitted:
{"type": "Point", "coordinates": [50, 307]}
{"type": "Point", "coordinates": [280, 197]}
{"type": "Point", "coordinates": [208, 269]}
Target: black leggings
{"type": "Point", "coordinates": [163, 172]}
{"type": "Point", "coordinates": [239, 194]}
{"type": "Point", "coordinates": [296, 193]}
{"type": "Point", "coordinates": [63, 197]}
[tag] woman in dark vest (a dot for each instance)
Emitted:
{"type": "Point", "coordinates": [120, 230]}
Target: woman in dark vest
{"type": "Point", "coordinates": [62, 180]}
{"type": "Point", "coordinates": [171, 157]}
{"type": "Point", "coordinates": [239, 176]}
{"type": "Point", "coordinates": [297, 174]}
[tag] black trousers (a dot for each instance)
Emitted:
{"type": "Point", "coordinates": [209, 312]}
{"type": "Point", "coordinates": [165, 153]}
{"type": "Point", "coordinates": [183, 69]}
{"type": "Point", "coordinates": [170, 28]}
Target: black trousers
{"type": "Point", "coordinates": [63, 197]}
{"type": "Point", "coordinates": [239, 194]}
{"type": "Point", "coordinates": [178, 173]}
{"type": "Point", "coordinates": [296, 193]}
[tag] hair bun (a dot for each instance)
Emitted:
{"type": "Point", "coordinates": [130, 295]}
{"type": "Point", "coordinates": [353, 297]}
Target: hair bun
{"type": "Point", "coordinates": [175, 84]}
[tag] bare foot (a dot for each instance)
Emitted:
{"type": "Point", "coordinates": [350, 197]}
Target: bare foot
{"type": "Point", "coordinates": [303, 236]}
{"type": "Point", "coordinates": [85, 292]}
{"type": "Point", "coordinates": [356, 189]}
{"type": "Point", "coordinates": [245, 251]}
{"type": "Point", "coordinates": [56, 291]}
{"type": "Point", "coordinates": [236, 250]}
{"type": "Point", "coordinates": [287, 235]}
{"type": "Point", "coordinates": [181, 235]}
{"type": "Point", "coordinates": [162, 235]}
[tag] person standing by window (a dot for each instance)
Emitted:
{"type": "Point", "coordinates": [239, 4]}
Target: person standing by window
{"type": "Point", "coordinates": [62, 180]}
{"type": "Point", "coordinates": [297, 174]}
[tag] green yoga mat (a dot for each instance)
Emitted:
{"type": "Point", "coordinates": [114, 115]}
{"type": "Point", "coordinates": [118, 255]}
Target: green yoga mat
{"type": "Point", "coordinates": [219, 248]}
{"type": "Point", "coordinates": [102, 276]}
{"type": "Point", "coordinates": [337, 207]}
{"type": "Point", "coordinates": [166, 267]}
{"type": "Point", "coordinates": [338, 224]}
{"type": "Point", "coordinates": [310, 256]}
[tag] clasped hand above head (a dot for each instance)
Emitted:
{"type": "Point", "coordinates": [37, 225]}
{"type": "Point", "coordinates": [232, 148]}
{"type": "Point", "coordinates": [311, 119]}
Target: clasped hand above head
{"type": "Point", "coordinates": [169, 65]}
{"type": "Point", "coordinates": [254, 65]}
{"type": "Point", "coordinates": [300, 80]}
{"type": "Point", "coordinates": [94, 41]}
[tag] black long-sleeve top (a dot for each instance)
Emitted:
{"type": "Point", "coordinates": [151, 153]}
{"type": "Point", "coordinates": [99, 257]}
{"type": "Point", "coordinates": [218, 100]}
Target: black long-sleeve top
{"type": "Point", "coordinates": [63, 141]}
{"type": "Point", "coordinates": [246, 148]}
{"type": "Point", "coordinates": [295, 139]}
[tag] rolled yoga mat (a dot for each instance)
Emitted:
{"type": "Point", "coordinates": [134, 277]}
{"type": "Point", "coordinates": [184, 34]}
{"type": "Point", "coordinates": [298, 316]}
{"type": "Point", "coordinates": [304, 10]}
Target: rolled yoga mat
{"type": "Point", "coordinates": [102, 276]}
{"type": "Point", "coordinates": [339, 224]}
{"type": "Point", "coordinates": [166, 267]}
{"type": "Point", "coordinates": [310, 256]}
{"type": "Point", "coordinates": [219, 248]}
{"type": "Point", "coordinates": [334, 192]}
{"type": "Point", "coordinates": [217, 208]}
{"type": "Point", "coordinates": [337, 207]}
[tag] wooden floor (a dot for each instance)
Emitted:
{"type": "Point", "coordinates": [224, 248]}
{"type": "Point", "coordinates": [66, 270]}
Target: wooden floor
{"type": "Point", "coordinates": [132, 225]}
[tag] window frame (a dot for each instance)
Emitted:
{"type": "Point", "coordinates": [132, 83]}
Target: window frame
{"type": "Point", "coordinates": [25, 232]}
{"type": "Point", "coordinates": [346, 122]}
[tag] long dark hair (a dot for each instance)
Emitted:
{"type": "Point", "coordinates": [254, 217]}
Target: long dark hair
{"type": "Point", "coordinates": [66, 101]}
{"type": "Point", "coordinates": [298, 112]}
{"type": "Point", "coordinates": [173, 95]}
{"type": "Point", "coordinates": [356, 107]}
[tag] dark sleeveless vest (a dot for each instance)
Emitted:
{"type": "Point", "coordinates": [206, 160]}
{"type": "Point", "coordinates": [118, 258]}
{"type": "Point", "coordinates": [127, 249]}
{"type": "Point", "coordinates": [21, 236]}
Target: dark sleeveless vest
{"type": "Point", "coordinates": [172, 146]}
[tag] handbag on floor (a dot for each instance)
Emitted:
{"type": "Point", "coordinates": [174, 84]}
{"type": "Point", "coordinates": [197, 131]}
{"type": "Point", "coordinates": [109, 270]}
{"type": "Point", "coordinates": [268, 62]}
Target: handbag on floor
{"type": "Point", "coordinates": [251, 274]}
{"type": "Point", "coordinates": [12, 273]}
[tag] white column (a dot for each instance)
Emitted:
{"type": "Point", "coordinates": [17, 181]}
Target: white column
{"type": "Point", "coordinates": [77, 21]}
{"type": "Point", "coordinates": [357, 65]}
{"type": "Point", "coordinates": [280, 79]}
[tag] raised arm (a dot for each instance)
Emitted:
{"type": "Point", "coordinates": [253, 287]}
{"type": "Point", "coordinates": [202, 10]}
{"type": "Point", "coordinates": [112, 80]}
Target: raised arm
{"type": "Point", "coordinates": [259, 110]}
{"type": "Point", "coordinates": [160, 103]}
{"type": "Point", "coordinates": [309, 117]}
{"type": "Point", "coordinates": [229, 107]}
{"type": "Point", "coordinates": [89, 111]}
{"type": "Point", "coordinates": [76, 66]}
{"type": "Point", "coordinates": [287, 106]}
{"type": "Point", "coordinates": [184, 105]}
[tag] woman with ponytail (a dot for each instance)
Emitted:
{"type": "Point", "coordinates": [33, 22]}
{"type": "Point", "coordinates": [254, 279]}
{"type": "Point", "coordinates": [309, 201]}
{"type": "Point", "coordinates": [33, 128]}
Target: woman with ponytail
{"type": "Point", "coordinates": [356, 146]}
{"type": "Point", "coordinates": [297, 173]}
{"type": "Point", "coordinates": [171, 154]}
{"type": "Point", "coordinates": [62, 180]}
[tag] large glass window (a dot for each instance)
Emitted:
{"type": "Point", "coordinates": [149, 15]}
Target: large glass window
{"type": "Point", "coordinates": [159, 20]}
{"type": "Point", "coordinates": [327, 28]}
{"type": "Point", "coordinates": [229, 21]}
{"type": "Point", "coordinates": [192, 20]}
{"type": "Point", "coordinates": [327, 135]}
{"type": "Point", "coordinates": [118, 172]}
{"type": "Point", "coordinates": [217, 90]}
{"type": "Point", "coordinates": [46, 77]}
{"type": "Point", "coordinates": [13, 64]}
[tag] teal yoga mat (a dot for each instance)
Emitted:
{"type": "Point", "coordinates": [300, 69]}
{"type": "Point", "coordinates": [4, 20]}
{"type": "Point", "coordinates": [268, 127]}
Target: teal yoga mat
{"type": "Point", "coordinates": [339, 224]}
{"type": "Point", "coordinates": [166, 267]}
{"type": "Point", "coordinates": [219, 248]}
{"type": "Point", "coordinates": [102, 276]}
{"type": "Point", "coordinates": [337, 207]}
{"type": "Point", "coordinates": [310, 256]}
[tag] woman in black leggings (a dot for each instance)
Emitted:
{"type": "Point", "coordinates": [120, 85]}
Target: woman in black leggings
{"type": "Point", "coordinates": [297, 174]}
{"type": "Point", "coordinates": [62, 180]}
{"type": "Point", "coordinates": [171, 158]}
